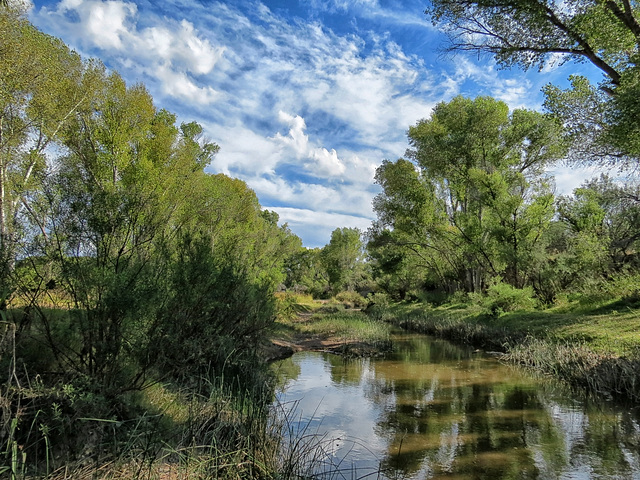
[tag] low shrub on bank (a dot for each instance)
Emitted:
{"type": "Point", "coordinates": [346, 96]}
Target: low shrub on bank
{"type": "Point", "coordinates": [502, 297]}
{"type": "Point", "coordinates": [351, 299]}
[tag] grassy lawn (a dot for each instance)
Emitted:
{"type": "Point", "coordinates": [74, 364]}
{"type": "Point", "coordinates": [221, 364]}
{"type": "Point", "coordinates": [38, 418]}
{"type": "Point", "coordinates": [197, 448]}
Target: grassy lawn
{"type": "Point", "coordinates": [600, 329]}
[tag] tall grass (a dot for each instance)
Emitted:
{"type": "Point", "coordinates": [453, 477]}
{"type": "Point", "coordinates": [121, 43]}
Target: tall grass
{"type": "Point", "coordinates": [226, 434]}
{"type": "Point", "coordinates": [356, 333]}
{"type": "Point", "coordinates": [348, 326]}
{"type": "Point", "coordinates": [453, 326]}
{"type": "Point", "coordinates": [606, 375]}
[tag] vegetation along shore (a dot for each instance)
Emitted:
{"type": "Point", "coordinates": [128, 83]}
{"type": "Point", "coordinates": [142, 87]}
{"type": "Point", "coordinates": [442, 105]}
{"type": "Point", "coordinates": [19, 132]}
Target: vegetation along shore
{"type": "Point", "coordinates": [139, 292]}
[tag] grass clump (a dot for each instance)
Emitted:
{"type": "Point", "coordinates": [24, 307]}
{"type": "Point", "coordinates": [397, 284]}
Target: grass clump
{"type": "Point", "coordinates": [347, 326]}
{"type": "Point", "coordinates": [331, 326]}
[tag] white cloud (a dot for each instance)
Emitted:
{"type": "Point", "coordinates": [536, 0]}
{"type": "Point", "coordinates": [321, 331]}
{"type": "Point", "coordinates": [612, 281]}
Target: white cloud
{"type": "Point", "coordinates": [315, 227]}
{"type": "Point", "coordinates": [319, 160]}
{"type": "Point", "coordinates": [182, 48]}
{"type": "Point", "coordinates": [179, 84]}
{"type": "Point", "coordinates": [553, 62]}
{"type": "Point", "coordinates": [514, 92]}
{"type": "Point", "coordinates": [568, 178]}
{"type": "Point", "coordinates": [104, 22]}
{"type": "Point", "coordinates": [173, 52]}
{"type": "Point", "coordinates": [243, 150]}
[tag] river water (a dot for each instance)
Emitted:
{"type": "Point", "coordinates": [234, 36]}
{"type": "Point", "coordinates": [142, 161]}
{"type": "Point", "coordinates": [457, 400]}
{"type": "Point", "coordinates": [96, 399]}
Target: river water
{"type": "Point", "coordinates": [431, 409]}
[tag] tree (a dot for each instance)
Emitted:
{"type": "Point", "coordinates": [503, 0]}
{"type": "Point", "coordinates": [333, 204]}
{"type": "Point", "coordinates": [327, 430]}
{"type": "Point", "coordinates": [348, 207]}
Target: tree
{"type": "Point", "coordinates": [306, 273]}
{"type": "Point", "coordinates": [528, 32]}
{"type": "Point", "coordinates": [475, 202]}
{"type": "Point", "coordinates": [608, 214]}
{"type": "Point", "coordinates": [412, 231]}
{"type": "Point", "coordinates": [40, 93]}
{"type": "Point", "coordinates": [343, 259]}
{"type": "Point", "coordinates": [534, 33]}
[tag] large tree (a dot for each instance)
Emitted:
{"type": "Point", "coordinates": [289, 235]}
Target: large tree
{"type": "Point", "coordinates": [474, 202]}
{"type": "Point", "coordinates": [343, 259]}
{"type": "Point", "coordinates": [40, 92]}
{"type": "Point", "coordinates": [535, 33]}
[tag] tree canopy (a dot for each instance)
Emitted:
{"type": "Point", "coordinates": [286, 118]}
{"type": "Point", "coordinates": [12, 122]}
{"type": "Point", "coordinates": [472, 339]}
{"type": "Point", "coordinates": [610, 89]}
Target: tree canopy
{"type": "Point", "coordinates": [537, 33]}
{"type": "Point", "coordinates": [472, 202]}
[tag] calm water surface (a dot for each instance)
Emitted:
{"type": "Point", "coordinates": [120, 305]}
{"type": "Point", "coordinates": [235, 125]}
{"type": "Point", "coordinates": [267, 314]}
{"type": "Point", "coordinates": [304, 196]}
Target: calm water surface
{"type": "Point", "coordinates": [434, 410]}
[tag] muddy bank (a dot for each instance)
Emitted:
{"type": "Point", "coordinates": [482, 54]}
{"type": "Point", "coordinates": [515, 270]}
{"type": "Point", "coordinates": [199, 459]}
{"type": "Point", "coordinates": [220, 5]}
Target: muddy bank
{"type": "Point", "coordinates": [279, 349]}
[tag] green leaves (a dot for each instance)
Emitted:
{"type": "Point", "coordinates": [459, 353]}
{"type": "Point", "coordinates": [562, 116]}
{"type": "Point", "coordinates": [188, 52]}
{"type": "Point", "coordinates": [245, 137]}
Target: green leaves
{"type": "Point", "coordinates": [475, 205]}
{"type": "Point", "coordinates": [603, 124]}
{"type": "Point", "coordinates": [343, 259]}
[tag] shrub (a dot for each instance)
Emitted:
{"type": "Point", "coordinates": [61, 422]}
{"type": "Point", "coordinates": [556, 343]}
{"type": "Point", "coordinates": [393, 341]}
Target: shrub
{"type": "Point", "coordinates": [381, 299]}
{"type": "Point", "coordinates": [502, 297]}
{"type": "Point", "coordinates": [351, 299]}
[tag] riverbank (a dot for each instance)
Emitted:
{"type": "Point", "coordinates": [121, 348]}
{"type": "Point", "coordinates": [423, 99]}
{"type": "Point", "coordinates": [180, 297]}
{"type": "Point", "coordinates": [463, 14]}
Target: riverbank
{"type": "Point", "coordinates": [328, 328]}
{"type": "Point", "coordinates": [596, 348]}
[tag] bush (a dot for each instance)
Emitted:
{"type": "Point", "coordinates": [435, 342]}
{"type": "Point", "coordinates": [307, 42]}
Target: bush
{"type": "Point", "coordinates": [502, 297]}
{"type": "Point", "coordinates": [380, 299]}
{"type": "Point", "coordinates": [351, 299]}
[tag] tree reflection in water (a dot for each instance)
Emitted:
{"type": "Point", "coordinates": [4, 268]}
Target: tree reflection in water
{"type": "Point", "coordinates": [432, 409]}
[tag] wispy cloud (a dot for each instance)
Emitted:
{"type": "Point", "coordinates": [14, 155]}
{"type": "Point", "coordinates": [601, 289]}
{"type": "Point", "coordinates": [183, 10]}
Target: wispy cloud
{"type": "Point", "coordinates": [302, 113]}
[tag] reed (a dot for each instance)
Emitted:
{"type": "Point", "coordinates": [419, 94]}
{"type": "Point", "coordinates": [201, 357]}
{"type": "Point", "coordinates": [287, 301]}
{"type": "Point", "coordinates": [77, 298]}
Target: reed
{"type": "Point", "coordinates": [601, 374]}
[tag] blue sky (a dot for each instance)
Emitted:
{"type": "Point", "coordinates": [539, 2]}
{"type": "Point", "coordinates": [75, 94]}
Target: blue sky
{"type": "Point", "coordinates": [304, 97]}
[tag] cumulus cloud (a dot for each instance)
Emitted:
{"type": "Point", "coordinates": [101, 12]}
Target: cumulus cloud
{"type": "Point", "coordinates": [181, 47]}
{"type": "Point", "coordinates": [173, 52]}
{"type": "Point", "coordinates": [106, 23]}
{"type": "Point", "coordinates": [318, 160]}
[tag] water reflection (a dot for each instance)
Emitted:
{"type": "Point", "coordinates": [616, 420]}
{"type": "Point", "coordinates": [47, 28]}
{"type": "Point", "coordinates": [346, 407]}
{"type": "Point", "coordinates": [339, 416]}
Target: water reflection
{"type": "Point", "coordinates": [434, 410]}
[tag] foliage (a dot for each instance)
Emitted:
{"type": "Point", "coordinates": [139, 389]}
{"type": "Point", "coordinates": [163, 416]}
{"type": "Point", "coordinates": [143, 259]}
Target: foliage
{"type": "Point", "coordinates": [502, 297]}
{"type": "Point", "coordinates": [343, 260]}
{"type": "Point", "coordinates": [539, 33]}
{"type": "Point", "coordinates": [379, 298]}
{"type": "Point", "coordinates": [122, 259]}
{"type": "Point", "coordinates": [352, 299]}
{"type": "Point", "coordinates": [475, 204]}
{"type": "Point", "coordinates": [305, 273]}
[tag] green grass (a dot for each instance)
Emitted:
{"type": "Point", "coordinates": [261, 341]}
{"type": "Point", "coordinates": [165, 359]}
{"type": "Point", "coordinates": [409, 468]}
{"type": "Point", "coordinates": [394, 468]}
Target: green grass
{"type": "Point", "coordinates": [328, 321]}
{"type": "Point", "coordinates": [595, 346]}
{"type": "Point", "coordinates": [602, 328]}
{"type": "Point", "coordinates": [348, 326]}
{"type": "Point", "coordinates": [615, 332]}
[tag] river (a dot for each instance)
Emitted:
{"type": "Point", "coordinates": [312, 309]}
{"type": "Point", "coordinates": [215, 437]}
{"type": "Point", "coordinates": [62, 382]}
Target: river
{"type": "Point", "coordinates": [432, 410]}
